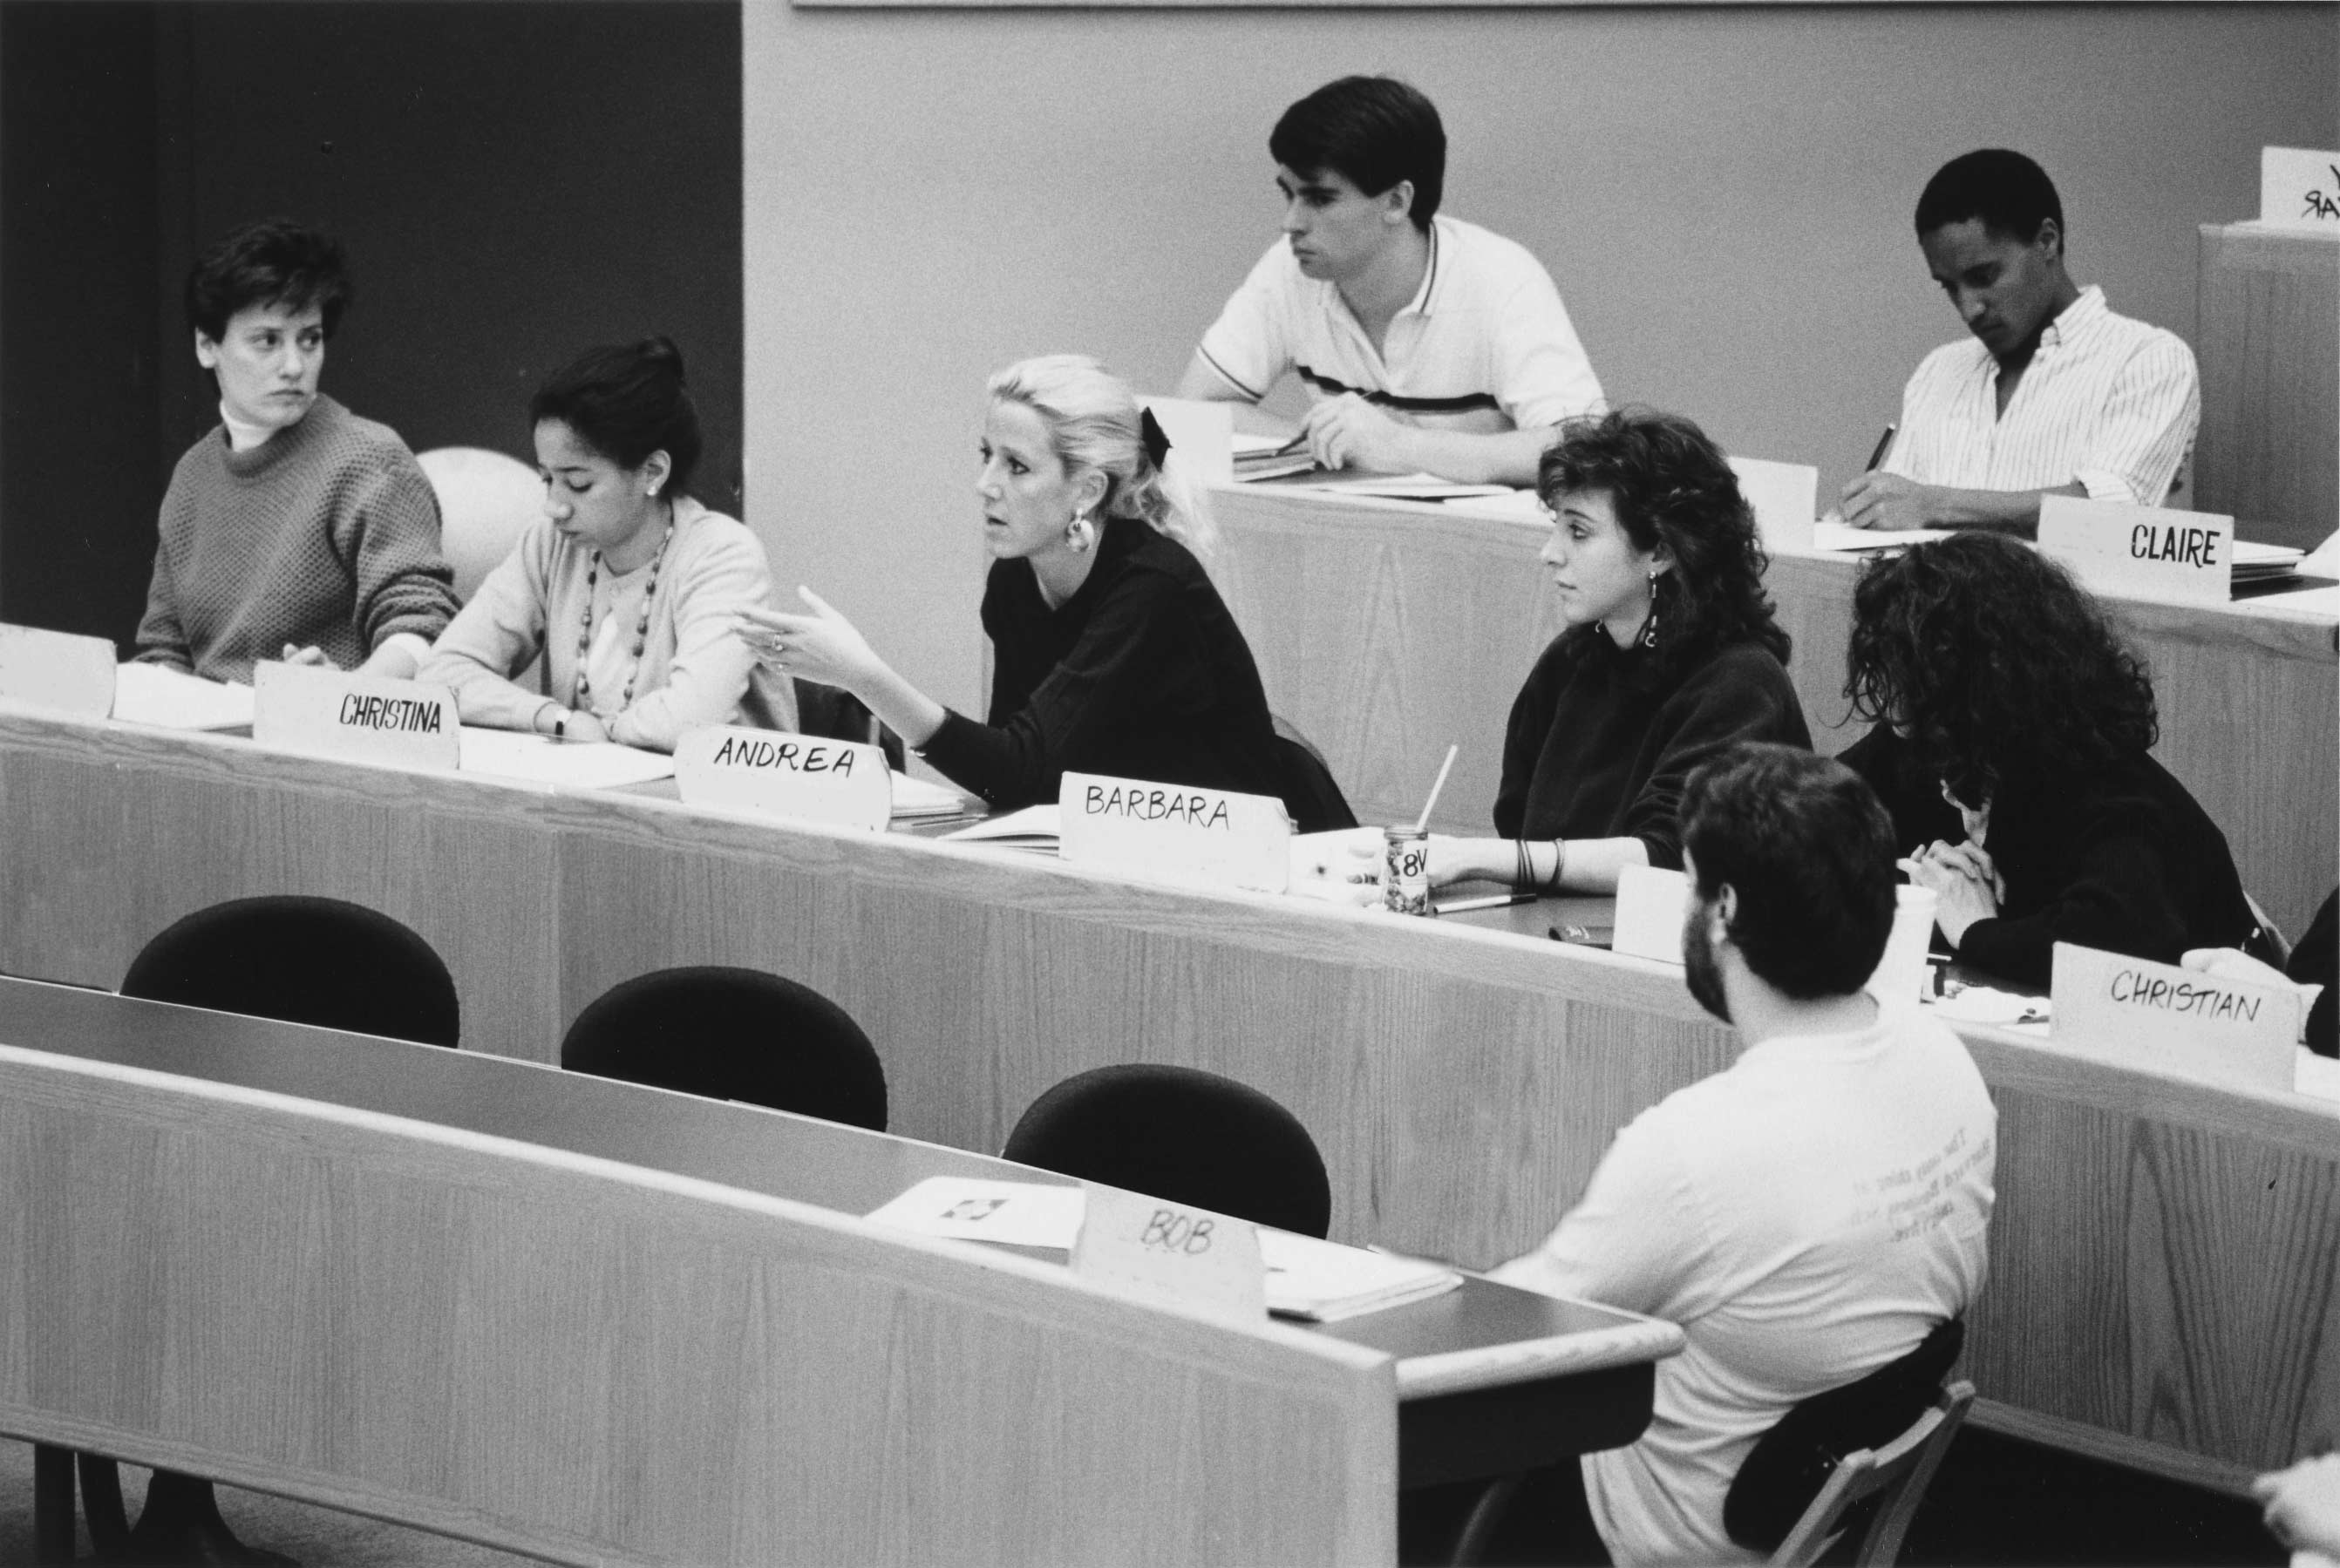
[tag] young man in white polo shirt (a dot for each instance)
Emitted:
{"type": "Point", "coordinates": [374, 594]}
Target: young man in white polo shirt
{"type": "Point", "coordinates": [1427, 344]}
{"type": "Point", "coordinates": [1811, 1213]}
{"type": "Point", "coordinates": [2053, 394]}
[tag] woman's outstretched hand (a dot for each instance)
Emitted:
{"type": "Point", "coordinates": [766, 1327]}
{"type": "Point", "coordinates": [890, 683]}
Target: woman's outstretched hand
{"type": "Point", "coordinates": [817, 645]}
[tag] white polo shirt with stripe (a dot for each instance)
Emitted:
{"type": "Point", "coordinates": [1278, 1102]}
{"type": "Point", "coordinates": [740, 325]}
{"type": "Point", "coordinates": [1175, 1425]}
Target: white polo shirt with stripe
{"type": "Point", "coordinates": [1485, 347]}
{"type": "Point", "coordinates": [2107, 400]}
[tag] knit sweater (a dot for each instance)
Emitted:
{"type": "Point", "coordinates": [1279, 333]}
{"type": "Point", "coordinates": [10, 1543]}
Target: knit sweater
{"type": "Point", "coordinates": [326, 535]}
{"type": "Point", "coordinates": [693, 672]}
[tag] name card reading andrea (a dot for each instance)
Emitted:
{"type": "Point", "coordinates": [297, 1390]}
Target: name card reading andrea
{"type": "Point", "coordinates": [2149, 550]}
{"type": "Point", "coordinates": [1176, 832]}
{"type": "Point", "coordinates": [2299, 188]}
{"type": "Point", "coordinates": [1207, 1261]}
{"type": "Point", "coordinates": [358, 718]}
{"type": "Point", "coordinates": [57, 671]}
{"type": "Point", "coordinates": [2206, 1025]}
{"type": "Point", "coordinates": [806, 778]}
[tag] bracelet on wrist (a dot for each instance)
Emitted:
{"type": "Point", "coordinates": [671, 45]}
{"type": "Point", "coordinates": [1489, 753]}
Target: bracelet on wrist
{"type": "Point", "coordinates": [1559, 864]}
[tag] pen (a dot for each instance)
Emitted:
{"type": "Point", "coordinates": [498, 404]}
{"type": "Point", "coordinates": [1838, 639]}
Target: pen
{"type": "Point", "coordinates": [1884, 445]}
{"type": "Point", "coordinates": [1492, 901]}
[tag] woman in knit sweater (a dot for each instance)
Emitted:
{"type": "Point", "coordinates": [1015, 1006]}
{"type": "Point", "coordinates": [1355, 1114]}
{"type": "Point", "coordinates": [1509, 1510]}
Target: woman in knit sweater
{"type": "Point", "coordinates": [294, 530]}
{"type": "Point", "coordinates": [1670, 656]}
{"type": "Point", "coordinates": [626, 585]}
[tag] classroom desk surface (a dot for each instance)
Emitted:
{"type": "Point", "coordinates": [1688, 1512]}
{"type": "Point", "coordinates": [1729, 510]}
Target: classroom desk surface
{"type": "Point", "coordinates": [1491, 1378]}
{"type": "Point", "coordinates": [1355, 609]}
{"type": "Point", "coordinates": [2165, 1269]}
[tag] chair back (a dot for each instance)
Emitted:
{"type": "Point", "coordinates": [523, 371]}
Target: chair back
{"type": "Point", "coordinates": [321, 962]}
{"type": "Point", "coordinates": [733, 1034]}
{"type": "Point", "coordinates": [1183, 1134]}
{"type": "Point", "coordinates": [1895, 1475]}
{"type": "Point", "coordinates": [485, 500]}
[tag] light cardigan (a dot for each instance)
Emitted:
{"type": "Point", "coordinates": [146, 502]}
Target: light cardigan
{"type": "Point", "coordinates": [693, 672]}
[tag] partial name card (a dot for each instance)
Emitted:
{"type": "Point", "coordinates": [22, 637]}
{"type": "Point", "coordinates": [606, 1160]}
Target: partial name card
{"type": "Point", "coordinates": [2155, 551]}
{"type": "Point", "coordinates": [2299, 188]}
{"type": "Point", "coordinates": [1651, 903]}
{"type": "Point", "coordinates": [1176, 832]}
{"type": "Point", "coordinates": [1785, 498]}
{"type": "Point", "coordinates": [1202, 431]}
{"type": "Point", "coordinates": [358, 718]}
{"type": "Point", "coordinates": [1190, 1255]}
{"type": "Point", "coordinates": [58, 671]}
{"type": "Point", "coordinates": [2207, 1025]}
{"type": "Point", "coordinates": [980, 1208]}
{"type": "Point", "coordinates": [806, 778]}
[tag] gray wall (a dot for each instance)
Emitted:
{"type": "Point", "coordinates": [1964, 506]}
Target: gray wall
{"type": "Point", "coordinates": [1723, 195]}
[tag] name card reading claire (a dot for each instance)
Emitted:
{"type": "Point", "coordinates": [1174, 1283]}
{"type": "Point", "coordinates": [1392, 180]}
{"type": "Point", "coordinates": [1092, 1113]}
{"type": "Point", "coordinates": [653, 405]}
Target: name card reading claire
{"type": "Point", "coordinates": [2150, 551]}
{"type": "Point", "coordinates": [2299, 188]}
{"type": "Point", "coordinates": [1206, 1261]}
{"type": "Point", "coordinates": [358, 718]}
{"type": "Point", "coordinates": [844, 784]}
{"type": "Point", "coordinates": [2207, 1025]}
{"type": "Point", "coordinates": [1176, 832]}
{"type": "Point", "coordinates": [56, 670]}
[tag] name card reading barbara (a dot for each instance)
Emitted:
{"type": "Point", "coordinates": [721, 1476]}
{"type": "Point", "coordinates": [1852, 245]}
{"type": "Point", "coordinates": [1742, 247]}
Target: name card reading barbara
{"type": "Point", "coordinates": [1177, 833]}
{"type": "Point", "coordinates": [58, 671]}
{"type": "Point", "coordinates": [807, 778]}
{"type": "Point", "coordinates": [358, 718]}
{"type": "Point", "coordinates": [2151, 550]}
{"type": "Point", "coordinates": [2207, 1025]}
{"type": "Point", "coordinates": [1190, 1255]}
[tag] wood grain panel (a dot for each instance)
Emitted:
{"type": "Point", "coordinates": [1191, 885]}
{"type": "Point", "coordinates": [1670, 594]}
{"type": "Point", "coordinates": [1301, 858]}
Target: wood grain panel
{"type": "Point", "coordinates": [436, 1341]}
{"type": "Point", "coordinates": [2268, 318]}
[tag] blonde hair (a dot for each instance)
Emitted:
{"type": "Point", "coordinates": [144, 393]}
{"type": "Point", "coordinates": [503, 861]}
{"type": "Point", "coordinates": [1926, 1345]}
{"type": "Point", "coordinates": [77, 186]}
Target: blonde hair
{"type": "Point", "coordinates": [1093, 423]}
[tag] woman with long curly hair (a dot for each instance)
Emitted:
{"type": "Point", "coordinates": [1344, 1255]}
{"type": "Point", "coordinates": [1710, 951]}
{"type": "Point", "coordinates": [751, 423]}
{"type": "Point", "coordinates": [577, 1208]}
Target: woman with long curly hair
{"type": "Point", "coordinates": [2011, 743]}
{"type": "Point", "coordinates": [1671, 654]}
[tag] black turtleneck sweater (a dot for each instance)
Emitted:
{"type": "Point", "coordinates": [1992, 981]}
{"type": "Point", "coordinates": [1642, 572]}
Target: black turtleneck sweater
{"type": "Point", "coordinates": [1602, 738]}
{"type": "Point", "coordinates": [2125, 861]}
{"type": "Point", "coordinates": [1141, 674]}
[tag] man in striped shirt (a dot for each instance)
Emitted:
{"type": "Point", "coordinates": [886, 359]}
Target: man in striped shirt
{"type": "Point", "coordinates": [2053, 395]}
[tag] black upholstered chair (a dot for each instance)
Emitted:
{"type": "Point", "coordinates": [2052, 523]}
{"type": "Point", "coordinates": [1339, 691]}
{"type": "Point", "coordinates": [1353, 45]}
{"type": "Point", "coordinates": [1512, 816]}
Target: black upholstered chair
{"type": "Point", "coordinates": [321, 962]}
{"type": "Point", "coordinates": [733, 1034]}
{"type": "Point", "coordinates": [1311, 795]}
{"type": "Point", "coordinates": [1183, 1134]}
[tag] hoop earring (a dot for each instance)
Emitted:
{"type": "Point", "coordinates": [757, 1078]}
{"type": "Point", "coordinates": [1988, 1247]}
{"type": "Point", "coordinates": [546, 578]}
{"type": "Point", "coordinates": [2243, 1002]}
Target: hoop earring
{"type": "Point", "coordinates": [1650, 626]}
{"type": "Point", "coordinates": [1080, 534]}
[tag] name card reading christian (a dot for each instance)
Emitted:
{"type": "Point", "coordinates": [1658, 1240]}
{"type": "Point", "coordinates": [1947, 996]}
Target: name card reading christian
{"type": "Point", "coordinates": [2151, 550]}
{"type": "Point", "coordinates": [1189, 1256]}
{"type": "Point", "coordinates": [2207, 1025]}
{"type": "Point", "coordinates": [844, 784]}
{"type": "Point", "coordinates": [2299, 188]}
{"type": "Point", "coordinates": [358, 718]}
{"type": "Point", "coordinates": [1176, 832]}
{"type": "Point", "coordinates": [56, 670]}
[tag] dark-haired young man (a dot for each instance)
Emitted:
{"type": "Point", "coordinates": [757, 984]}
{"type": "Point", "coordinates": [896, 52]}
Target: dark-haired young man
{"type": "Point", "coordinates": [2053, 394]}
{"type": "Point", "coordinates": [1427, 344]}
{"type": "Point", "coordinates": [1811, 1213]}
{"type": "Point", "coordinates": [293, 528]}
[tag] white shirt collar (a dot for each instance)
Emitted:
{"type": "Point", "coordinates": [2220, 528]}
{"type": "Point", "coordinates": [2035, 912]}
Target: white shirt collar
{"type": "Point", "coordinates": [2077, 314]}
{"type": "Point", "coordinates": [241, 437]}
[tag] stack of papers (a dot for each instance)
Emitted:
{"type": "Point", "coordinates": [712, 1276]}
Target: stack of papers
{"type": "Point", "coordinates": [1321, 1282]}
{"type": "Point", "coordinates": [541, 759]}
{"type": "Point", "coordinates": [2261, 566]}
{"type": "Point", "coordinates": [1271, 457]}
{"type": "Point", "coordinates": [170, 699]}
{"type": "Point", "coordinates": [1404, 488]}
{"type": "Point", "coordinates": [1036, 827]}
{"type": "Point", "coordinates": [1831, 533]}
{"type": "Point", "coordinates": [918, 798]}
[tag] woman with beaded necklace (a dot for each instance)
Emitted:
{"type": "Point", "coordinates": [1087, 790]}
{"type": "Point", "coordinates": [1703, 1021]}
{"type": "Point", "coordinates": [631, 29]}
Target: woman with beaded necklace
{"type": "Point", "coordinates": [626, 585]}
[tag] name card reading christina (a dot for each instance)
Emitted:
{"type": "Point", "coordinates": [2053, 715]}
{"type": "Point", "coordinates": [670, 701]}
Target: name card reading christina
{"type": "Point", "coordinates": [1207, 1261]}
{"type": "Point", "coordinates": [2299, 188]}
{"type": "Point", "coordinates": [57, 671]}
{"type": "Point", "coordinates": [2207, 1025]}
{"type": "Point", "coordinates": [1176, 832]}
{"type": "Point", "coordinates": [358, 718]}
{"type": "Point", "coordinates": [844, 784]}
{"type": "Point", "coordinates": [2150, 551]}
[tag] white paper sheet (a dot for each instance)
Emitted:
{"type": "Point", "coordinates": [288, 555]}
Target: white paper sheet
{"type": "Point", "coordinates": [541, 759]}
{"type": "Point", "coordinates": [1036, 826]}
{"type": "Point", "coordinates": [918, 798]}
{"type": "Point", "coordinates": [166, 699]}
{"type": "Point", "coordinates": [1828, 534]}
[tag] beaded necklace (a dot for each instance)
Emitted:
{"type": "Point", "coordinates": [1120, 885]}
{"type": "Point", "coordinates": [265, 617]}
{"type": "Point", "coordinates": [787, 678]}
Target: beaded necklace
{"type": "Point", "coordinates": [581, 697]}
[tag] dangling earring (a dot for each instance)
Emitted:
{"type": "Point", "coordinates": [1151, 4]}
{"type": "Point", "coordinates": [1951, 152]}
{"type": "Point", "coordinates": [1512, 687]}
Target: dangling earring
{"type": "Point", "coordinates": [1080, 534]}
{"type": "Point", "coordinates": [1650, 626]}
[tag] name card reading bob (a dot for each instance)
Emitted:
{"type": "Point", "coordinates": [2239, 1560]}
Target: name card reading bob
{"type": "Point", "coordinates": [359, 718]}
{"type": "Point", "coordinates": [2207, 1025]}
{"type": "Point", "coordinates": [1176, 832]}
{"type": "Point", "coordinates": [844, 784]}
{"type": "Point", "coordinates": [2151, 550]}
{"type": "Point", "coordinates": [2299, 188]}
{"type": "Point", "coordinates": [56, 670]}
{"type": "Point", "coordinates": [1190, 1255]}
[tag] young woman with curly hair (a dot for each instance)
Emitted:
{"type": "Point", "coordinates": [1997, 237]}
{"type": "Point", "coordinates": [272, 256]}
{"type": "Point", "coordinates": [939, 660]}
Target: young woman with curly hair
{"type": "Point", "coordinates": [1670, 656]}
{"type": "Point", "coordinates": [2010, 745]}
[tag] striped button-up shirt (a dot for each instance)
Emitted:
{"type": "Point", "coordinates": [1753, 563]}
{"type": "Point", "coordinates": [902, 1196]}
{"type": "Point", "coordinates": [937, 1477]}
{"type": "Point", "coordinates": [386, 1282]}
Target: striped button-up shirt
{"type": "Point", "coordinates": [2108, 401]}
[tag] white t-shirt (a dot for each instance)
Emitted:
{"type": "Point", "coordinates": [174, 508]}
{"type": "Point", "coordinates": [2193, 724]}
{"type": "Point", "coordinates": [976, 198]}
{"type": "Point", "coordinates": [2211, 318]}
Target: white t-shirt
{"type": "Point", "coordinates": [1485, 346]}
{"type": "Point", "coordinates": [2107, 400]}
{"type": "Point", "coordinates": [1805, 1217]}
